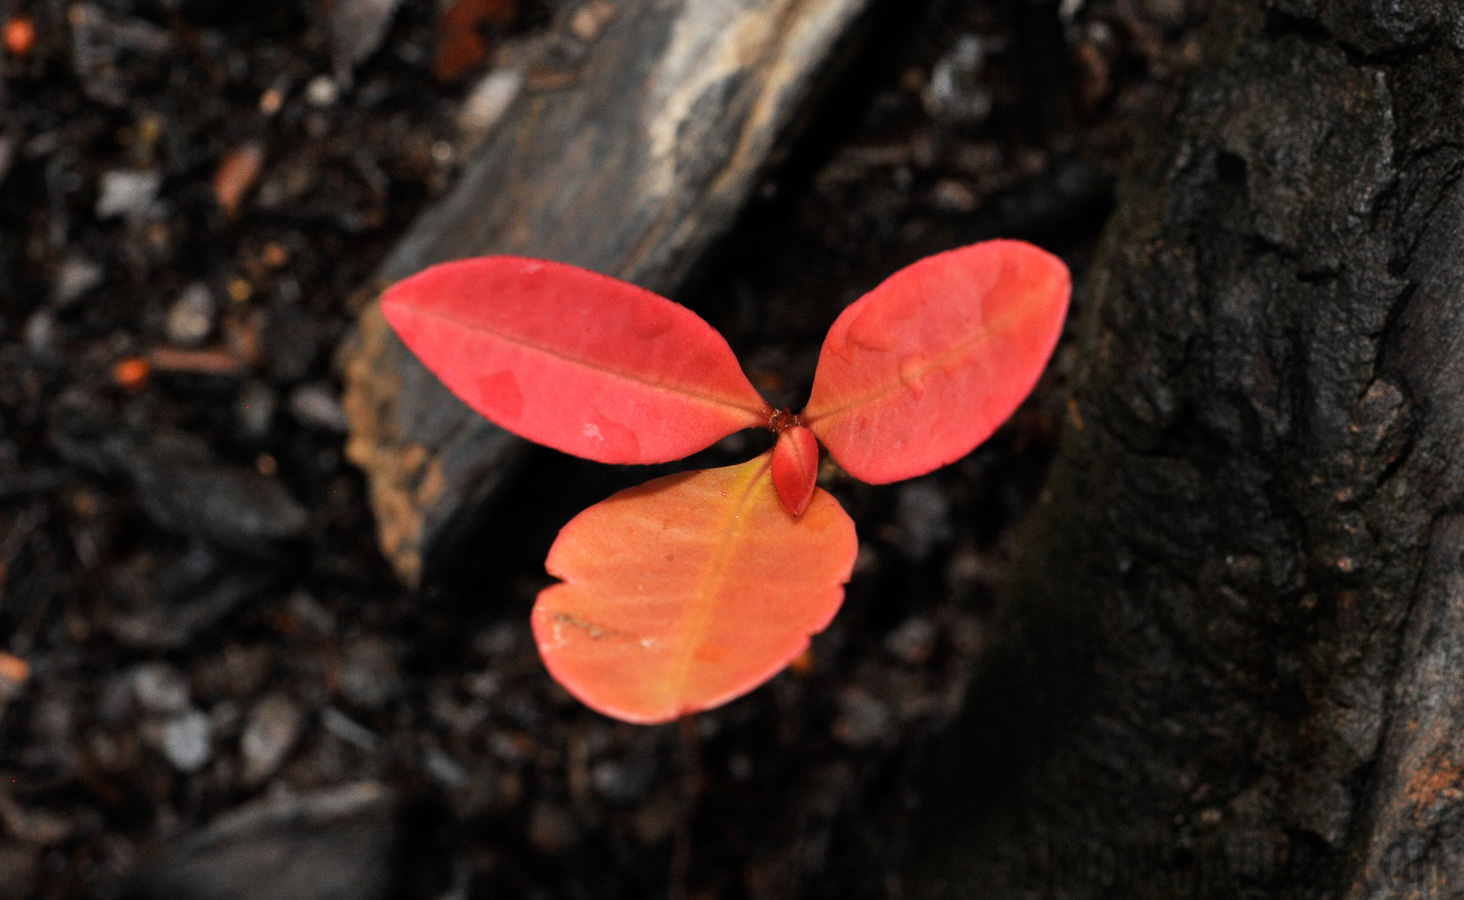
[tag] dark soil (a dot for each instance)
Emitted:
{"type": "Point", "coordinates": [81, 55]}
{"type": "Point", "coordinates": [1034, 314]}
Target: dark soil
{"type": "Point", "coordinates": [193, 613]}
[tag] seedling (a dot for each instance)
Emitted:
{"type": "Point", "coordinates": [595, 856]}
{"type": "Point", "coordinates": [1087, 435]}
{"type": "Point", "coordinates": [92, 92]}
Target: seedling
{"type": "Point", "coordinates": [693, 589]}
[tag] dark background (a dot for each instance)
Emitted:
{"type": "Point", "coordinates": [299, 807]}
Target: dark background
{"type": "Point", "coordinates": [194, 617]}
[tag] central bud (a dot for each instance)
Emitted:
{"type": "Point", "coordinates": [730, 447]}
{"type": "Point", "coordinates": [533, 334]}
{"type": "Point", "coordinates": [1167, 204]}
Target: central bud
{"type": "Point", "coordinates": [782, 419]}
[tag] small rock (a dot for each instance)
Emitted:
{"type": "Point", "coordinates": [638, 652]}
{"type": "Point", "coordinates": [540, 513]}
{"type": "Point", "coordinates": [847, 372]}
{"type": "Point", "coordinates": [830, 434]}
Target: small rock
{"type": "Point", "coordinates": [255, 409]}
{"type": "Point", "coordinates": [159, 688]}
{"type": "Point", "coordinates": [488, 101]}
{"type": "Point", "coordinates": [233, 506]}
{"type": "Point", "coordinates": [190, 319]}
{"type": "Point", "coordinates": [349, 730]}
{"type": "Point", "coordinates": [315, 406]}
{"type": "Point", "coordinates": [924, 516]}
{"type": "Point", "coordinates": [40, 333]}
{"type": "Point", "coordinates": [322, 91]}
{"type": "Point", "coordinates": [951, 196]}
{"type": "Point", "coordinates": [270, 733]}
{"type": "Point", "coordinates": [169, 626]}
{"type": "Point", "coordinates": [335, 844]}
{"type": "Point", "coordinates": [955, 93]}
{"type": "Point", "coordinates": [188, 740]}
{"type": "Point", "coordinates": [443, 769]}
{"type": "Point", "coordinates": [127, 192]}
{"type": "Point", "coordinates": [75, 277]}
{"type": "Point", "coordinates": [357, 28]}
{"type": "Point", "coordinates": [862, 719]}
{"type": "Point", "coordinates": [913, 642]}
{"type": "Point", "coordinates": [623, 782]}
{"type": "Point", "coordinates": [368, 675]}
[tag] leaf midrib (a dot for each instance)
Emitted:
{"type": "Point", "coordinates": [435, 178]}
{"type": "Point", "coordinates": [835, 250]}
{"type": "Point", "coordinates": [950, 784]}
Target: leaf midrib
{"type": "Point", "coordinates": [1000, 326]}
{"type": "Point", "coordinates": [702, 607]}
{"type": "Point", "coordinates": [756, 413]}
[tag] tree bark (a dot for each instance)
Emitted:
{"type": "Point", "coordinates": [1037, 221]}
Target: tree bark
{"type": "Point", "coordinates": [1236, 654]}
{"type": "Point", "coordinates": [631, 169]}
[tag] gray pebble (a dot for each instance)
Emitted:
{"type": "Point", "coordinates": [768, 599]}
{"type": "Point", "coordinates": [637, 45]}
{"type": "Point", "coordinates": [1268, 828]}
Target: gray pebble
{"type": "Point", "coordinates": [75, 277]}
{"type": "Point", "coordinates": [924, 515]}
{"type": "Point", "coordinates": [255, 409]}
{"type": "Point", "coordinates": [159, 688]}
{"type": "Point", "coordinates": [315, 406]}
{"type": "Point", "coordinates": [188, 740]}
{"type": "Point", "coordinates": [270, 733]}
{"type": "Point", "coordinates": [955, 93]}
{"type": "Point", "coordinates": [190, 319]}
{"type": "Point", "coordinates": [127, 192]}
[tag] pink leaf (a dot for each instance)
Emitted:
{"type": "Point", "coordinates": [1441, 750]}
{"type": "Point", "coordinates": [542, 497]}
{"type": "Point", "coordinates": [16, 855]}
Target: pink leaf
{"type": "Point", "coordinates": [919, 371]}
{"type": "Point", "coordinates": [578, 361]}
{"type": "Point", "coordinates": [689, 591]}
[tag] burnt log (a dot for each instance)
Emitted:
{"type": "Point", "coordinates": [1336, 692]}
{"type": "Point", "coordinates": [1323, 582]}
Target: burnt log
{"type": "Point", "coordinates": [1235, 660]}
{"type": "Point", "coordinates": [632, 165]}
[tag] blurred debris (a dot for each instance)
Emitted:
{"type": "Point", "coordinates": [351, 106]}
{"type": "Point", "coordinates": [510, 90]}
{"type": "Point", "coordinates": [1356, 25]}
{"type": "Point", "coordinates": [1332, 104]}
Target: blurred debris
{"type": "Point", "coordinates": [187, 740]}
{"type": "Point", "coordinates": [75, 278]}
{"type": "Point", "coordinates": [196, 362]}
{"type": "Point", "coordinates": [862, 720]}
{"type": "Point", "coordinates": [15, 673]}
{"type": "Point", "coordinates": [349, 730]}
{"type": "Point", "coordinates": [160, 626]}
{"type": "Point", "coordinates": [461, 44]}
{"type": "Point", "coordinates": [160, 688]}
{"type": "Point", "coordinates": [552, 830]}
{"type": "Point", "coordinates": [913, 642]}
{"type": "Point", "coordinates": [127, 192]}
{"type": "Point", "coordinates": [20, 36]}
{"type": "Point", "coordinates": [591, 18]}
{"type": "Point", "coordinates": [955, 93]}
{"type": "Point", "coordinates": [7, 154]}
{"type": "Point", "coordinates": [255, 409]}
{"type": "Point", "coordinates": [487, 102]}
{"type": "Point", "coordinates": [32, 826]}
{"type": "Point", "coordinates": [233, 506]}
{"type": "Point", "coordinates": [337, 844]}
{"type": "Point", "coordinates": [315, 406]}
{"type": "Point", "coordinates": [22, 868]}
{"type": "Point", "coordinates": [357, 28]}
{"type": "Point", "coordinates": [269, 735]}
{"type": "Point", "coordinates": [236, 174]}
{"type": "Point", "coordinates": [322, 91]}
{"type": "Point", "coordinates": [924, 517]}
{"type": "Point", "coordinates": [368, 676]}
{"type": "Point", "coordinates": [190, 318]}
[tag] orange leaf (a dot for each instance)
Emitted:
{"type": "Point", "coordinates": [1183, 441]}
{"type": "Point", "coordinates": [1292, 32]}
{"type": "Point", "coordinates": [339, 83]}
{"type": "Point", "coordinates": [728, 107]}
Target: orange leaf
{"type": "Point", "coordinates": [919, 371]}
{"type": "Point", "coordinates": [795, 467]}
{"type": "Point", "coordinates": [574, 360]}
{"type": "Point", "coordinates": [691, 590]}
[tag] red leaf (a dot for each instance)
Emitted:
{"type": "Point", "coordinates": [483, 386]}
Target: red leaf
{"type": "Point", "coordinates": [919, 371]}
{"type": "Point", "coordinates": [689, 591]}
{"type": "Point", "coordinates": [577, 361]}
{"type": "Point", "coordinates": [795, 467]}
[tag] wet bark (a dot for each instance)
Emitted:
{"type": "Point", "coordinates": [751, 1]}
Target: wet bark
{"type": "Point", "coordinates": [1236, 660]}
{"type": "Point", "coordinates": [631, 167]}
